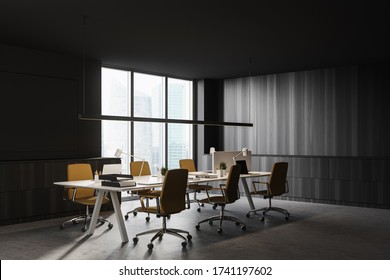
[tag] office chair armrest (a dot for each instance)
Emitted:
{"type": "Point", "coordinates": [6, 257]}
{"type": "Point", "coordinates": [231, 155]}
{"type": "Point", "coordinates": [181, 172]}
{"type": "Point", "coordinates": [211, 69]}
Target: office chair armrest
{"type": "Point", "coordinates": [258, 182]}
{"type": "Point", "coordinates": [141, 199]}
{"type": "Point", "coordinates": [216, 189]}
{"type": "Point", "coordinates": [188, 203]}
{"type": "Point", "coordinates": [287, 187]}
{"type": "Point", "coordinates": [150, 196]}
{"type": "Point", "coordinates": [65, 195]}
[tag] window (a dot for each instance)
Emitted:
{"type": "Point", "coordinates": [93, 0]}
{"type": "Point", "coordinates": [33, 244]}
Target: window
{"type": "Point", "coordinates": [134, 94]}
{"type": "Point", "coordinates": [179, 107]}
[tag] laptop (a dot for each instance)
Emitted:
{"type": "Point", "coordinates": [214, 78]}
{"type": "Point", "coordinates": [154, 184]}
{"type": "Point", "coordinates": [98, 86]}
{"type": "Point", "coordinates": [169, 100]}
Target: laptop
{"type": "Point", "coordinates": [115, 168]}
{"type": "Point", "coordinates": [244, 168]}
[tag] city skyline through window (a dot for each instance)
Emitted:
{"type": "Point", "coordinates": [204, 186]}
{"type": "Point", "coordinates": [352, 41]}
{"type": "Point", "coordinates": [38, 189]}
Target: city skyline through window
{"type": "Point", "coordinates": [154, 96]}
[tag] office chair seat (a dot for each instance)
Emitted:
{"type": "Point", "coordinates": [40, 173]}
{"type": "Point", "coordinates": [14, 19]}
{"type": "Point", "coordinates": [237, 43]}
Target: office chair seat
{"type": "Point", "coordinates": [199, 187]}
{"type": "Point", "coordinates": [189, 164]}
{"type": "Point", "coordinates": [229, 195]}
{"type": "Point", "coordinates": [90, 200]}
{"type": "Point", "coordinates": [82, 196]}
{"type": "Point", "coordinates": [142, 168]}
{"type": "Point", "coordinates": [276, 186]}
{"type": "Point", "coordinates": [171, 201]}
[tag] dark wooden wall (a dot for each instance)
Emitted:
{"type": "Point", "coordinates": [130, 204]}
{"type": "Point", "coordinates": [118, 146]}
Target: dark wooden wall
{"type": "Point", "coordinates": [27, 192]}
{"type": "Point", "coordinates": [42, 94]}
{"type": "Point", "coordinates": [332, 126]}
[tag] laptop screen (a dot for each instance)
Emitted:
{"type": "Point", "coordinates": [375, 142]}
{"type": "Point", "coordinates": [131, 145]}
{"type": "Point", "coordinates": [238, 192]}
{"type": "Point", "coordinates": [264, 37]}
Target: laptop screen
{"type": "Point", "coordinates": [244, 168]}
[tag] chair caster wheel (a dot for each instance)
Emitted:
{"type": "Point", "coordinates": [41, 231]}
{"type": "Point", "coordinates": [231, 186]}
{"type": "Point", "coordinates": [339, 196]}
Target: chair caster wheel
{"type": "Point", "coordinates": [287, 218]}
{"type": "Point", "coordinates": [184, 244]}
{"type": "Point", "coordinates": [147, 219]}
{"type": "Point", "coordinates": [202, 205]}
{"type": "Point", "coordinates": [189, 237]}
{"type": "Point", "coordinates": [126, 217]}
{"type": "Point", "coordinates": [247, 215]}
{"type": "Point", "coordinates": [198, 209]}
{"type": "Point", "coordinates": [197, 227]}
{"type": "Point", "coordinates": [262, 219]}
{"type": "Point", "coordinates": [214, 206]}
{"type": "Point", "coordinates": [160, 237]}
{"type": "Point", "coordinates": [243, 228]}
{"type": "Point", "coordinates": [110, 226]}
{"type": "Point", "coordinates": [75, 222]}
{"type": "Point", "coordinates": [210, 223]}
{"type": "Point", "coordinates": [84, 229]}
{"type": "Point", "coordinates": [237, 223]}
{"type": "Point", "coordinates": [219, 230]}
{"type": "Point", "coordinates": [135, 240]}
{"type": "Point", "coordinates": [150, 246]}
{"type": "Point", "coordinates": [135, 213]}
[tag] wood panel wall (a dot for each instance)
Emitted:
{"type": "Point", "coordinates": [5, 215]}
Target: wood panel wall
{"type": "Point", "coordinates": [27, 192]}
{"type": "Point", "coordinates": [332, 126]}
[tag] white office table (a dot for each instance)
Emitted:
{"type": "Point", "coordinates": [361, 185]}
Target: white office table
{"type": "Point", "coordinates": [143, 182]}
{"type": "Point", "coordinates": [156, 181]}
{"type": "Point", "coordinates": [100, 193]}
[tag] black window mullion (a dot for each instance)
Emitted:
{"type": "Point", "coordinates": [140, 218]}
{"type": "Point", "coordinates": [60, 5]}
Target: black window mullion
{"type": "Point", "coordinates": [132, 112]}
{"type": "Point", "coordinates": [166, 124]}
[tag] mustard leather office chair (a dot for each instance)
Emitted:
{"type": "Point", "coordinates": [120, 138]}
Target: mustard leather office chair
{"type": "Point", "coordinates": [229, 194]}
{"type": "Point", "coordinates": [83, 196]}
{"type": "Point", "coordinates": [189, 164]}
{"type": "Point", "coordinates": [276, 186]}
{"type": "Point", "coordinates": [143, 168]}
{"type": "Point", "coordinates": [172, 200]}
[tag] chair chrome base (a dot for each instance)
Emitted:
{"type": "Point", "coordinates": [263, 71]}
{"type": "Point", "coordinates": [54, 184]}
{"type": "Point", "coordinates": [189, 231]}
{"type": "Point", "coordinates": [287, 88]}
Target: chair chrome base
{"type": "Point", "coordinates": [164, 230]}
{"type": "Point", "coordinates": [85, 219]}
{"type": "Point", "coordinates": [265, 210]}
{"type": "Point", "coordinates": [221, 217]}
{"type": "Point", "coordinates": [135, 211]}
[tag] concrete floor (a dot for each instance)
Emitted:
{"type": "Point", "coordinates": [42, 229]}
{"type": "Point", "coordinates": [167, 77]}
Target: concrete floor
{"type": "Point", "coordinates": [315, 231]}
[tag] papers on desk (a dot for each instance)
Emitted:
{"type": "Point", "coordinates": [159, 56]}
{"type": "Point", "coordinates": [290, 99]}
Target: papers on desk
{"type": "Point", "coordinates": [123, 183]}
{"type": "Point", "coordinates": [117, 180]}
{"type": "Point", "coordinates": [255, 172]}
{"type": "Point", "coordinates": [201, 174]}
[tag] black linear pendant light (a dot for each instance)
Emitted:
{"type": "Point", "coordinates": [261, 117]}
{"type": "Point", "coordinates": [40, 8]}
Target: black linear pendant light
{"type": "Point", "coordinates": [97, 117]}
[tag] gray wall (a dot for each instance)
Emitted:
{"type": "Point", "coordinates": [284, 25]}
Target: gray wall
{"type": "Point", "coordinates": [332, 126]}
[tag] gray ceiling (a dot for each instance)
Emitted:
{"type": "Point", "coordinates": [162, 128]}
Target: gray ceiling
{"type": "Point", "coordinates": [203, 39]}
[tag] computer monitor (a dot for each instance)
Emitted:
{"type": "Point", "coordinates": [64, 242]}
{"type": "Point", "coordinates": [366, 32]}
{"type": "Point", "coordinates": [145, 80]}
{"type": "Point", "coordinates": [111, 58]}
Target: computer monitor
{"type": "Point", "coordinates": [227, 157]}
{"type": "Point", "coordinates": [244, 168]}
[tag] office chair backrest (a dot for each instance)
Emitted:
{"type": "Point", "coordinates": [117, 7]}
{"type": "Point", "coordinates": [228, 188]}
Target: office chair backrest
{"type": "Point", "coordinates": [232, 183]}
{"type": "Point", "coordinates": [135, 168]}
{"type": "Point", "coordinates": [188, 164]}
{"type": "Point", "coordinates": [80, 171]}
{"type": "Point", "coordinates": [172, 199]}
{"type": "Point", "coordinates": [277, 182]}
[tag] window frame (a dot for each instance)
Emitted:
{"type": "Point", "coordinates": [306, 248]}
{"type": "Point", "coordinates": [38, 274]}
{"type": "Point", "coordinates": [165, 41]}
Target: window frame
{"type": "Point", "coordinates": [131, 72]}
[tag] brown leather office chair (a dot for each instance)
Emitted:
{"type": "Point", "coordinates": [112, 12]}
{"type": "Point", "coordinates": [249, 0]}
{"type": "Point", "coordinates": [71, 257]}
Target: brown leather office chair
{"type": "Point", "coordinates": [142, 168]}
{"type": "Point", "coordinates": [229, 194]}
{"type": "Point", "coordinates": [276, 186]}
{"type": "Point", "coordinates": [83, 196]}
{"type": "Point", "coordinates": [172, 200]}
{"type": "Point", "coordinates": [189, 164]}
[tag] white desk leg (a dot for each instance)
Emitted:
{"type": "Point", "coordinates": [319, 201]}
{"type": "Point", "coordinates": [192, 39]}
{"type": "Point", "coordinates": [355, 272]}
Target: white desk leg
{"type": "Point", "coordinates": [96, 211]}
{"type": "Point", "coordinates": [119, 216]}
{"type": "Point", "coordinates": [247, 193]}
